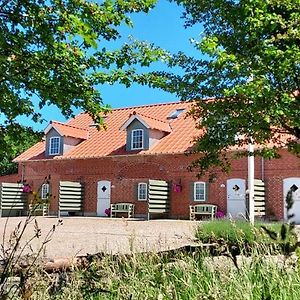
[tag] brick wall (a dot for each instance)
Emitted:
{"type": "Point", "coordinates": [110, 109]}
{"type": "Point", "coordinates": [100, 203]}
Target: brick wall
{"type": "Point", "coordinates": [10, 178]}
{"type": "Point", "coordinates": [125, 172]}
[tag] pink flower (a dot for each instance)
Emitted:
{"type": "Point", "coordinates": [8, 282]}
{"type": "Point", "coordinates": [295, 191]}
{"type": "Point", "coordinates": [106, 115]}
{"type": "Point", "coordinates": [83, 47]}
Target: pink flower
{"type": "Point", "coordinates": [220, 214]}
{"type": "Point", "coordinates": [107, 211]}
{"type": "Point", "coordinates": [26, 188]}
{"type": "Point", "coordinates": [177, 188]}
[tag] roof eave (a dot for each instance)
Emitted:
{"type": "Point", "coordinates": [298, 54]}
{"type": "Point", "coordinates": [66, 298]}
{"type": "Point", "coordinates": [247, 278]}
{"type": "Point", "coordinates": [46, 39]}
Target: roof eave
{"type": "Point", "coordinates": [131, 119]}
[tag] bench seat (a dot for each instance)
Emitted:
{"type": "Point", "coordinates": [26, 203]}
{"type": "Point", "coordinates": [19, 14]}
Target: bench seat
{"type": "Point", "coordinates": [202, 210]}
{"type": "Point", "coordinates": [122, 208]}
{"type": "Point", "coordinates": [42, 209]}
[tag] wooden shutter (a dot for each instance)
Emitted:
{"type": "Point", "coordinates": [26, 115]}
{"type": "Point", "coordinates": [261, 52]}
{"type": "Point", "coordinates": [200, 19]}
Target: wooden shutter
{"type": "Point", "coordinates": [206, 188]}
{"type": "Point", "coordinates": [192, 191]}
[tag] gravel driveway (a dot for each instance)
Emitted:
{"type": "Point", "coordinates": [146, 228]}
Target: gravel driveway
{"type": "Point", "coordinates": [81, 235]}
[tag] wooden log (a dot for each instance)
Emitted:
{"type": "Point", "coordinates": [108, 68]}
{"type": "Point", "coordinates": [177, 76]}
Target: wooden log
{"type": "Point", "coordinates": [68, 264]}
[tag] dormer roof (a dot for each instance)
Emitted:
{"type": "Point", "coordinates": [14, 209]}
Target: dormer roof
{"type": "Point", "coordinates": [67, 130]}
{"type": "Point", "coordinates": [148, 122]}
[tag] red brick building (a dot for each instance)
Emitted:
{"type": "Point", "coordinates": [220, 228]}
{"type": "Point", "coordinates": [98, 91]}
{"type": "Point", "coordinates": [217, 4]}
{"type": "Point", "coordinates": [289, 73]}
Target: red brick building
{"type": "Point", "coordinates": [142, 143]}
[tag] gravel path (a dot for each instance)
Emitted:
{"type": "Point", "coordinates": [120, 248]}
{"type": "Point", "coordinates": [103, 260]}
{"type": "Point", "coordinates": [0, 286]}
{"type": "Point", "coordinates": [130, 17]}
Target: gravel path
{"type": "Point", "coordinates": [80, 235]}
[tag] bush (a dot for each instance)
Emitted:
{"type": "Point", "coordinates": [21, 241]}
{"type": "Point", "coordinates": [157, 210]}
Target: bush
{"type": "Point", "coordinates": [239, 233]}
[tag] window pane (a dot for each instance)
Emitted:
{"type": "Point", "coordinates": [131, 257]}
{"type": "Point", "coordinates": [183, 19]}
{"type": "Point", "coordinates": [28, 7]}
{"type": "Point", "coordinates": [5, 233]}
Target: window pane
{"type": "Point", "coordinates": [142, 191]}
{"type": "Point", "coordinates": [45, 191]}
{"type": "Point", "coordinates": [137, 139]}
{"type": "Point", "coordinates": [54, 145]}
{"type": "Point", "coordinates": [199, 191]}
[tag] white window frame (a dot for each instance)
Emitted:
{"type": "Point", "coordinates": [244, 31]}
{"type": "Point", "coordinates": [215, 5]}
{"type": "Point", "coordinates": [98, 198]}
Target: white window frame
{"type": "Point", "coordinates": [204, 189]}
{"type": "Point", "coordinates": [132, 142]}
{"type": "Point", "coordinates": [45, 191]}
{"type": "Point", "coordinates": [51, 152]}
{"type": "Point", "coordinates": [139, 189]}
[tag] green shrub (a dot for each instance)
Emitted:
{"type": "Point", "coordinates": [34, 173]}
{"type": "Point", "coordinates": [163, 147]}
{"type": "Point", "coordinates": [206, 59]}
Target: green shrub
{"type": "Point", "coordinates": [236, 232]}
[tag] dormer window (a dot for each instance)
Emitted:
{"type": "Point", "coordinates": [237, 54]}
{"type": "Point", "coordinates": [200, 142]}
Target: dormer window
{"type": "Point", "coordinates": [61, 138]}
{"type": "Point", "coordinates": [144, 131]}
{"type": "Point", "coordinates": [137, 139]}
{"type": "Point", "coordinates": [54, 145]}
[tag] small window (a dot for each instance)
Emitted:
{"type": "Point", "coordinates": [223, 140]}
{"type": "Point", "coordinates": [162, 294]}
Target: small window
{"type": "Point", "coordinates": [142, 191]}
{"type": "Point", "coordinates": [199, 191]}
{"type": "Point", "coordinates": [45, 191]}
{"type": "Point", "coordinates": [54, 145]}
{"type": "Point", "coordinates": [137, 139]}
{"type": "Point", "coordinates": [175, 113]}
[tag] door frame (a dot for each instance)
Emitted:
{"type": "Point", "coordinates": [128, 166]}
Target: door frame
{"type": "Point", "coordinates": [227, 198]}
{"type": "Point", "coordinates": [284, 194]}
{"type": "Point", "coordinates": [99, 213]}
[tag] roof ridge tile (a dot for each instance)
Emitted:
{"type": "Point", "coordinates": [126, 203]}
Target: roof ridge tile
{"type": "Point", "coordinates": [151, 105]}
{"type": "Point", "coordinates": [65, 124]}
{"type": "Point", "coordinates": [151, 118]}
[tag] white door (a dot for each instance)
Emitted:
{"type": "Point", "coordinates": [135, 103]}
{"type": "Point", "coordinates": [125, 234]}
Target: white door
{"type": "Point", "coordinates": [236, 197]}
{"type": "Point", "coordinates": [103, 197]}
{"type": "Point", "coordinates": [293, 184]}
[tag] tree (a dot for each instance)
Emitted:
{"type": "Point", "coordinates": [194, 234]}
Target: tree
{"type": "Point", "coordinates": [249, 74]}
{"type": "Point", "coordinates": [49, 49]}
{"type": "Point", "coordinates": [15, 139]}
{"type": "Point", "coordinates": [49, 54]}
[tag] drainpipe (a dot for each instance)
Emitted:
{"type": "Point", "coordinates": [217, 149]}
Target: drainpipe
{"type": "Point", "coordinates": [262, 169]}
{"type": "Point", "coordinates": [22, 172]}
{"type": "Point", "coordinates": [251, 180]}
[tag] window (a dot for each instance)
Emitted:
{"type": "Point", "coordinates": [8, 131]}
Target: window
{"type": "Point", "coordinates": [137, 139]}
{"type": "Point", "coordinates": [199, 191]}
{"type": "Point", "coordinates": [142, 191]}
{"type": "Point", "coordinates": [54, 145]}
{"type": "Point", "coordinates": [45, 191]}
{"type": "Point", "coordinates": [175, 113]}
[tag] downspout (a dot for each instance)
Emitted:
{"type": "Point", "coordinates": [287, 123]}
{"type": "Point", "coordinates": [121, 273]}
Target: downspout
{"type": "Point", "coordinates": [22, 172]}
{"type": "Point", "coordinates": [262, 169]}
{"type": "Point", "coordinates": [251, 180]}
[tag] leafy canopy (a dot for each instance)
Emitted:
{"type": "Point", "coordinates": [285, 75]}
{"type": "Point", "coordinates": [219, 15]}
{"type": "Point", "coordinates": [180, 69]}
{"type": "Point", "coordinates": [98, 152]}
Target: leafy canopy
{"type": "Point", "coordinates": [249, 65]}
{"type": "Point", "coordinates": [49, 49]}
{"type": "Point", "coordinates": [50, 54]}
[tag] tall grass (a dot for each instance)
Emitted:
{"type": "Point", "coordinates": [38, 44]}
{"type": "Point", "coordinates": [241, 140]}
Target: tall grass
{"type": "Point", "coordinates": [184, 276]}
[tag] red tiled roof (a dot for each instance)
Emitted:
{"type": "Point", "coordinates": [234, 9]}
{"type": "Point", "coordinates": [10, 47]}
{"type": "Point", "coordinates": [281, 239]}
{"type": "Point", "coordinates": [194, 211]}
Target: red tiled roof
{"type": "Point", "coordinates": [36, 152]}
{"type": "Point", "coordinates": [149, 121]}
{"type": "Point", "coordinates": [113, 140]}
{"type": "Point", "coordinates": [69, 130]}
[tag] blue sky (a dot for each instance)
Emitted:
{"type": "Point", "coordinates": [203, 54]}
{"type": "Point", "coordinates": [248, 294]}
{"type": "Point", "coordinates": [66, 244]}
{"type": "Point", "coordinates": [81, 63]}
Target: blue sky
{"type": "Point", "coordinates": [161, 26]}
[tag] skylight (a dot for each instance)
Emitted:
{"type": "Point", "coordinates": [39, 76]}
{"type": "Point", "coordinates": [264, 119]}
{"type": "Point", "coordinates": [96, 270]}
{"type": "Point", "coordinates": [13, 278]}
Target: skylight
{"type": "Point", "coordinates": [175, 113]}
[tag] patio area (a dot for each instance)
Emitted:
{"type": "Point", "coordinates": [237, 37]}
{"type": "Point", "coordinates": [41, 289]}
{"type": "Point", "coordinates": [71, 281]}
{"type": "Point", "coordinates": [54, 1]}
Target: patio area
{"type": "Point", "coordinates": [82, 235]}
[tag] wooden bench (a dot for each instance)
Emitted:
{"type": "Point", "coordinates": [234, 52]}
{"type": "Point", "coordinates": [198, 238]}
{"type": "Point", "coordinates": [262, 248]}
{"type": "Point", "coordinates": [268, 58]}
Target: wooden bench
{"type": "Point", "coordinates": [202, 210]}
{"type": "Point", "coordinates": [122, 208]}
{"type": "Point", "coordinates": [36, 209]}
